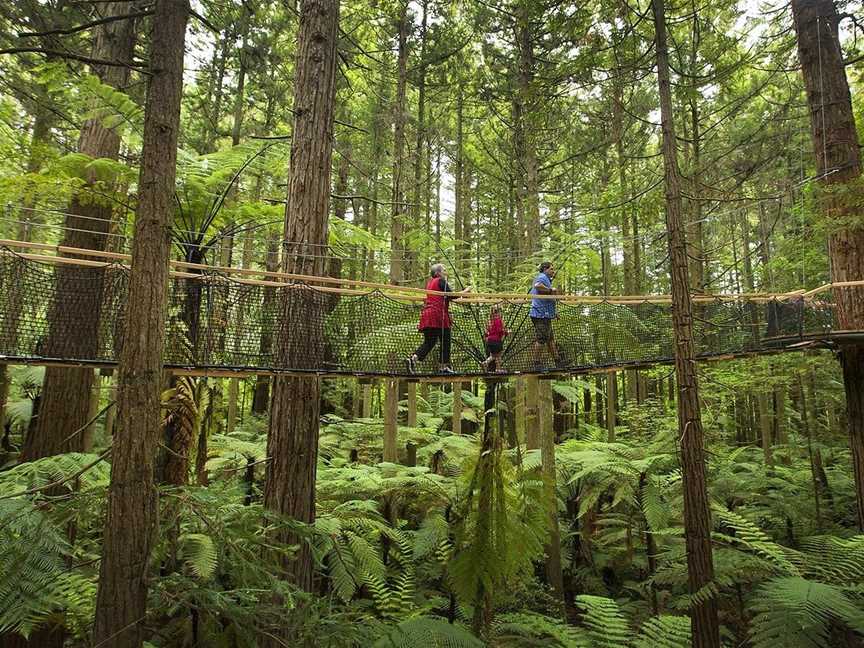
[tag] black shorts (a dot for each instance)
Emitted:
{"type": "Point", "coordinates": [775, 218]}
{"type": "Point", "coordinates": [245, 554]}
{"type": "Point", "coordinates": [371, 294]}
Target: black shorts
{"type": "Point", "coordinates": [542, 329]}
{"type": "Point", "coordinates": [494, 348]}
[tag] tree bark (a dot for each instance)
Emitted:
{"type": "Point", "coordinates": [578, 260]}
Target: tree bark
{"type": "Point", "coordinates": [397, 225]}
{"type": "Point", "coordinates": [838, 164]}
{"type": "Point", "coordinates": [74, 316]}
{"type": "Point", "coordinates": [132, 505]}
{"type": "Point", "coordinates": [292, 443]}
{"type": "Point", "coordinates": [704, 623]}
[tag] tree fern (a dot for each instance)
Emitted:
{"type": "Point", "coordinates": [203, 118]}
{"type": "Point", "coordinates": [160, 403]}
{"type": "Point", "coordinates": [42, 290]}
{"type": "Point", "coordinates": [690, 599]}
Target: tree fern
{"type": "Point", "coordinates": [665, 631]}
{"type": "Point", "coordinates": [794, 612]}
{"type": "Point", "coordinates": [426, 632]}
{"type": "Point", "coordinates": [604, 624]}
{"type": "Point", "coordinates": [519, 628]}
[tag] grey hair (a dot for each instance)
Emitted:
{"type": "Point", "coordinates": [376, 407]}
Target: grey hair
{"type": "Point", "coordinates": [436, 269]}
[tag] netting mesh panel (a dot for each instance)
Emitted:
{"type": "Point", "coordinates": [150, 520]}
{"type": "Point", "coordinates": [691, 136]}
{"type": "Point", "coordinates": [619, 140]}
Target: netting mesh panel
{"type": "Point", "coordinates": [76, 314]}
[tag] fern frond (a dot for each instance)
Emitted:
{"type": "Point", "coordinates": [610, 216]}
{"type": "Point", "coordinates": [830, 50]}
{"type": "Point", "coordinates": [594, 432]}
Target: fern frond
{"type": "Point", "coordinates": [793, 611]}
{"type": "Point", "coordinates": [427, 632]}
{"type": "Point", "coordinates": [199, 552]}
{"type": "Point", "coordinates": [604, 623]}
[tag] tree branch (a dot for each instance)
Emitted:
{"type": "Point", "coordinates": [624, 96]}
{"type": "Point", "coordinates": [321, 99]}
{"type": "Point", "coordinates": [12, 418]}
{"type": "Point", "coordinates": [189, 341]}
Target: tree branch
{"type": "Point", "coordinates": [73, 56]}
{"type": "Point", "coordinates": [85, 26]}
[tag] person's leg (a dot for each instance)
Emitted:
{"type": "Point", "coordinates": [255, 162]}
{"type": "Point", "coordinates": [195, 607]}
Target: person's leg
{"type": "Point", "coordinates": [430, 336]}
{"type": "Point", "coordinates": [446, 339]}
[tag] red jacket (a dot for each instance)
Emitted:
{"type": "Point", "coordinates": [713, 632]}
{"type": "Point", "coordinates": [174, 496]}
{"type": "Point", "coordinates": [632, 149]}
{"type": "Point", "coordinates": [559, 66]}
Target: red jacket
{"type": "Point", "coordinates": [496, 332]}
{"type": "Point", "coordinates": [436, 308]}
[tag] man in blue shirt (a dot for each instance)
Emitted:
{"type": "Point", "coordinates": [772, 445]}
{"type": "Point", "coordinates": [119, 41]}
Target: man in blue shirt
{"type": "Point", "coordinates": [543, 311]}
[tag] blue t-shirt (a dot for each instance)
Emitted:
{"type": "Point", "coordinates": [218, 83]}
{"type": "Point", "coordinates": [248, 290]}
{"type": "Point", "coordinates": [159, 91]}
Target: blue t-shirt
{"type": "Point", "coordinates": [542, 308]}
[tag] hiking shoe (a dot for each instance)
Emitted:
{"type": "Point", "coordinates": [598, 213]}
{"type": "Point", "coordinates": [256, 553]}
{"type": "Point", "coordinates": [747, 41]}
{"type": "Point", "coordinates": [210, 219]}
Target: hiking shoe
{"type": "Point", "coordinates": [411, 365]}
{"type": "Point", "coordinates": [447, 370]}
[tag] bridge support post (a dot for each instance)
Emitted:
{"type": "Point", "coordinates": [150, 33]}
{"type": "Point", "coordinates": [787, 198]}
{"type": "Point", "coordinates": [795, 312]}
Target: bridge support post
{"type": "Point", "coordinates": [457, 408]}
{"type": "Point", "coordinates": [532, 396]}
{"type": "Point", "coordinates": [391, 411]}
{"type": "Point", "coordinates": [611, 404]}
{"type": "Point", "coordinates": [546, 430]}
{"type": "Point", "coordinates": [412, 404]}
{"type": "Point", "coordinates": [367, 400]}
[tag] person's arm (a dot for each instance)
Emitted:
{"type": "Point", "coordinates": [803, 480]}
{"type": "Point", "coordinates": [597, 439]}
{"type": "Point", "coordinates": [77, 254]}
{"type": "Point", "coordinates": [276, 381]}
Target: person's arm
{"type": "Point", "coordinates": [446, 287]}
{"type": "Point", "coordinates": [544, 288]}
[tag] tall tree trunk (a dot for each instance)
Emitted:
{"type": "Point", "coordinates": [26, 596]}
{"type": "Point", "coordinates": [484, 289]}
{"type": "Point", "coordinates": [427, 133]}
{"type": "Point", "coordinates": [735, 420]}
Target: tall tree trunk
{"type": "Point", "coordinates": [397, 225]}
{"type": "Point", "coordinates": [697, 513]}
{"type": "Point", "coordinates": [838, 163]}
{"type": "Point", "coordinates": [526, 149]}
{"type": "Point", "coordinates": [132, 505]}
{"type": "Point", "coordinates": [75, 315]}
{"type": "Point", "coordinates": [292, 444]}
{"type": "Point", "coordinates": [421, 159]}
{"type": "Point", "coordinates": [240, 91]}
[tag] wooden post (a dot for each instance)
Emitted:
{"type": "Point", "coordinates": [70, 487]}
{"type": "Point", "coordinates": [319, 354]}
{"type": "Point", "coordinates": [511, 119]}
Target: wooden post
{"type": "Point", "coordinates": [391, 411]}
{"type": "Point", "coordinates": [765, 427]}
{"type": "Point", "coordinates": [357, 400]}
{"type": "Point", "coordinates": [457, 408]}
{"type": "Point", "coordinates": [412, 404]}
{"type": "Point", "coordinates": [520, 415]}
{"type": "Point", "coordinates": [532, 397]}
{"type": "Point", "coordinates": [367, 400]}
{"type": "Point", "coordinates": [554, 575]}
{"type": "Point", "coordinates": [611, 404]}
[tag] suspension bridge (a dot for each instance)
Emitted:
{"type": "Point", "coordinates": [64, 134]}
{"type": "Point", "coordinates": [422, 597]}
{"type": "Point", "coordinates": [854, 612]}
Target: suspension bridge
{"type": "Point", "coordinates": [67, 306]}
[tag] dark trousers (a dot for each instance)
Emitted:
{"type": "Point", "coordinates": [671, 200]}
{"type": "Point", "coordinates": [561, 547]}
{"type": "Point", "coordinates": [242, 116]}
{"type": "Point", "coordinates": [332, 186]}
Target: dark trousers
{"type": "Point", "coordinates": [431, 336]}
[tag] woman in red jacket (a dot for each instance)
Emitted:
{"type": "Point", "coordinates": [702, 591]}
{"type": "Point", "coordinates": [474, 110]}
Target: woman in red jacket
{"type": "Point", "coordinates": [435, 321]}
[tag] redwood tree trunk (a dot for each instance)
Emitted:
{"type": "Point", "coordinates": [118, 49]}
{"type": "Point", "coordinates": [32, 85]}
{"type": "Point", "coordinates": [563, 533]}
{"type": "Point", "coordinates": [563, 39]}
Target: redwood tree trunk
{"type": "Point", "coordinates": [74, 317]}
{"type": "Point", "coordinates": [397, 225]}
{"type": "Point", "coordinates": [132, 505]}
{"type": "Point", "coordinates": [292, 443]}
{"type": "Point", "coordinates": [838, 162]}
{"type": "Point", "coordinates": [704, 624]}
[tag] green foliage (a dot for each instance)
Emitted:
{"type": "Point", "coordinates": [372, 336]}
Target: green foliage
{"type": "Point", "coordinates": [795, 612]}
{"type": "Point", "coordinates": [427, 632]}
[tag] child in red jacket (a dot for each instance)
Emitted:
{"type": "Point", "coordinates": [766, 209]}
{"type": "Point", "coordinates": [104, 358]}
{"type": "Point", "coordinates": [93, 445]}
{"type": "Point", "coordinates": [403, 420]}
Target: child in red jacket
{"type": "Point", "coordinates": [495, 334]}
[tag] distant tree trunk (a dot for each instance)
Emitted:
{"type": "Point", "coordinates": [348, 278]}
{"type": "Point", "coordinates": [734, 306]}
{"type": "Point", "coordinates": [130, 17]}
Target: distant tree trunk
{"type": "Point", "coordinates": [239, 92]}
{"type": "Point", "coordinates": [838, 163]}
{"type": "Point", "coordinates": [528, 191]}
{"type": "Point", "coordinates": [214, 111]}
{"type": "Point", "coordinates": [132, 504]}
{"type": "Point", "coordinates": [697, 513]}
{"type": "Point", "coordinates": [421, 160]}
{"type": "Point", "coordinates": [292, 444]}
{"type": "Point", "coordinates": [261, 397]}
{"type": "Point", "coordinates": [397, 225]}
{"type": "Point", "coordinates": [74, 317]}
